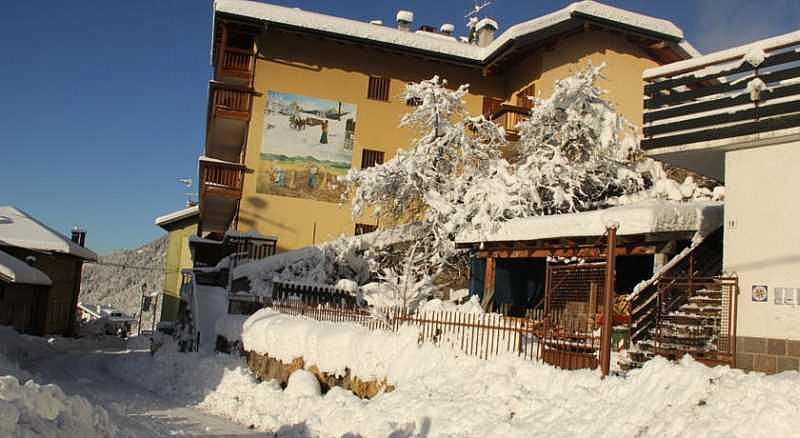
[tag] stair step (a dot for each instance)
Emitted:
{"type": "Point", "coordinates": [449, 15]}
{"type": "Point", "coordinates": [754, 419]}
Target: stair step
{"type": "Point", "coordinates": [703, 301]}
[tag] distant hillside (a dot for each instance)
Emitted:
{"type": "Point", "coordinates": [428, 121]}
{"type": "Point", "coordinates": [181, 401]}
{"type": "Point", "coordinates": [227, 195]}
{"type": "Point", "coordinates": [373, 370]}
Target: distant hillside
{"type": "Point", "coordinates": [116, 280]}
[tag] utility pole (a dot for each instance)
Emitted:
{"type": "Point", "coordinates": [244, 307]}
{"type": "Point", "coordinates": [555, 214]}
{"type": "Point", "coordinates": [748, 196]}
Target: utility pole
{"type": "Point", "coordinates": [141, 307]}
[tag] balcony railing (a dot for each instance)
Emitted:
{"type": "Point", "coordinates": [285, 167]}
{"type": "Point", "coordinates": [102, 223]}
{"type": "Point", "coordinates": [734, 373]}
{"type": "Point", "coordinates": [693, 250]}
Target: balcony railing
{"type": "Point", "coordinates": [228, 101]}
{"type": "Point", "coordinates": [747, 90]}
{"type": "Point", "coordinates": [508, 116]}
{"type": "Point", "coordinates": [221, 178]}
{"type": "Point", "coordinates": [237, 63]}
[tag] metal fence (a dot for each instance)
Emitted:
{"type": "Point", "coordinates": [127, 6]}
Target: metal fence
{"type": "Point", "coordinates": [568, 344]}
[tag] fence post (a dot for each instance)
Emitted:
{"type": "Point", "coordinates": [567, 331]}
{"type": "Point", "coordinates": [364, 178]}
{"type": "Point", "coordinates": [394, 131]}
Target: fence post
{"type": "Point", "coordinates": [608, 303]}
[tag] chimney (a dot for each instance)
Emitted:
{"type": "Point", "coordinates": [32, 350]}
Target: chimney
{"type": "Point", "coordinates": [404, 20]}
{"type": "Point", "coordinates": [447, 29]}
{"type": "Point", "coordinates": [78, 236]}
{"type": "Point", "coordinates": [486, 29]}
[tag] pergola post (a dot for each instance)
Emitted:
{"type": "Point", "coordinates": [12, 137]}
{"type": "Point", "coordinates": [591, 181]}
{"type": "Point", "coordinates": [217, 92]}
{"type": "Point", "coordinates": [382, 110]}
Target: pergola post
{"type": "Point", "coordinates": [488, 283]}
{"type": "Point", "coordinates": [608, 302]}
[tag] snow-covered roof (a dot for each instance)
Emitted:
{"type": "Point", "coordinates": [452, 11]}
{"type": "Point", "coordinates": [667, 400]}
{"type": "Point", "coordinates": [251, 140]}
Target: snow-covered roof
{"type": "Point", "coordinates": [19, 229]}
{"type": "Point", "coordinates": [651, 216]}
{"type": "Point", "coordinates": [779, 41]}
{"type": "Point", "coordinates": [298, 18]}
{"type": "Point", "coordinates": [14, 270]}
{"type": "Point", "coordinates": [177, 215]}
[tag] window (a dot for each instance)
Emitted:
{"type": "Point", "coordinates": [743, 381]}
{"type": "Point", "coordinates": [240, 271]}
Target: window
{"type": "Point", "coordinates": [371, 158]}
{"type": "Point", "coordinates": [378, 89]}
{"type": "Point", "coordinates": [523, 97]}
{"type": "Point", "coordinates": [364, 229]}
{"type": "Point", "coordinates": [491, 105]}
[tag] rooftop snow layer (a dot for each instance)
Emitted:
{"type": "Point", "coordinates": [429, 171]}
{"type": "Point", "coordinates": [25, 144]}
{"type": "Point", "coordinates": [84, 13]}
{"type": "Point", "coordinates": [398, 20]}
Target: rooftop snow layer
{"type": "Point", "coordinates": [177, 215]}
{"type": "Point", "coordinates": [651, 216]}
{"type": "Point", "coordinates": [362, 30]}
{"type": "Point", "coordinates": [19, 229]}
{"type": "Point", "coordinates": [14, 270]}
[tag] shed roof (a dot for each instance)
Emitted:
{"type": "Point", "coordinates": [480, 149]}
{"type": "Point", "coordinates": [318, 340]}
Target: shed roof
{"type": "Point", "coordinates": [14, 270]}
{"type": "Point", "coordinates": [449, 47]}
{"type": "Point", "coordinates": [175, 216]}
{"type": "Point", "coordinates": [646, 217]}
{"type": "Point", "coordinates": [19, 229]}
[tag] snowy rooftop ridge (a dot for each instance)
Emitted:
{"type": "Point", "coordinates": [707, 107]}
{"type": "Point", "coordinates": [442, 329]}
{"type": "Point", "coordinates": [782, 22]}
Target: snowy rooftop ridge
{"type": "Point", "coordinates": [14, 270]}
{"type": "Point", "coordinates": [650, 216]}
{"type": "Point", "coordinates": [20, 229]}
{"type": "Point", "coordinates": [425, 42]}
{"type": "Point", "coordinates": [177, 215]}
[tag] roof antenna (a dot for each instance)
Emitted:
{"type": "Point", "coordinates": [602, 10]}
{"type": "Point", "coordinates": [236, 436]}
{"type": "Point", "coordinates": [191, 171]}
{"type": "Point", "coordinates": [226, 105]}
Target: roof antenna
{"type": "Point", "coordinates": [472, 19]}
{"type": "Point", "coordinates": [188, 183]}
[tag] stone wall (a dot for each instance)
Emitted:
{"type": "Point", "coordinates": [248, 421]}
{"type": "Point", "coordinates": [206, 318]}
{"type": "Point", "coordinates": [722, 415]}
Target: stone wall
{"type": "Point", "coordinates": [767, 355]}
{"type": "Point", "coordinates": [266, 368]}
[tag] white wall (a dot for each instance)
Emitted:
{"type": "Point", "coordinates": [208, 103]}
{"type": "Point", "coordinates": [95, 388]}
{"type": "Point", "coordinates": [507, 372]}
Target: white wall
{"type": "Point", "coordinates": [762, 235]}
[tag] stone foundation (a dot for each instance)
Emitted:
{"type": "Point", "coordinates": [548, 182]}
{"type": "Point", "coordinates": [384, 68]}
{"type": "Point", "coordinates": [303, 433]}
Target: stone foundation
{"type": "Point", "coordinates": [266, 368]}
{"type": "Point", "coordinates": [767, 355]}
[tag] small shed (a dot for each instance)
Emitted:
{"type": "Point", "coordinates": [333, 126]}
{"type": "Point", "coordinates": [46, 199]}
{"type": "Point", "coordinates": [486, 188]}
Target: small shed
{"type": "Point", "coordinates": [557, 262]}
{"type": "Point", "coordinates": [60, 259]}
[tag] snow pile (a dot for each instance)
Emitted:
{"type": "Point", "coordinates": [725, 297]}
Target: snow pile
{"type": "Point", "coordinates": [303, 384]}
{"type": "Point", "coordinates": [443, 394]}
{"type": "Point", "coordinates": [473, 305]}
{"type": "Point", "coordinates": [31, 409]}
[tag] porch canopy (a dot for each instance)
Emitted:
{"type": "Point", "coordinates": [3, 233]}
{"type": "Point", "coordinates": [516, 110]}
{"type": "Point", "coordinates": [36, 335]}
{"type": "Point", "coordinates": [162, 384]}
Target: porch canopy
{"type": "Point", "coordinates": [640, 226]}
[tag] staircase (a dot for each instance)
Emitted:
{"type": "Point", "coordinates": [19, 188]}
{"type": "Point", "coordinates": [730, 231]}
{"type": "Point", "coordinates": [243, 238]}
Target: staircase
{"type": "Point", "coordinates": [694, 328]}
{"type": "Point", "coordinates": [687, 309]}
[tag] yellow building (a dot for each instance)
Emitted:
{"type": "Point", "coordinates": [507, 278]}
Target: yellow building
{"type": "Point", "coordinates": [299, 98]}
{"type": "Point", "coordinates": [180, 225]}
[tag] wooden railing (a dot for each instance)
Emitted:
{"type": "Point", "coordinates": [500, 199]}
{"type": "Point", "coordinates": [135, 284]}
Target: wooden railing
{"type": "Point", "coordinates": [221, 178]}
{"type": "Point", "coordinates": [232, 102]}
{"type": "Point", "coordinates": [508, 116]}
{"type": "Point", "coordinates": [237, 62]}
{"type": "Point", "coordinates": [747, 90]}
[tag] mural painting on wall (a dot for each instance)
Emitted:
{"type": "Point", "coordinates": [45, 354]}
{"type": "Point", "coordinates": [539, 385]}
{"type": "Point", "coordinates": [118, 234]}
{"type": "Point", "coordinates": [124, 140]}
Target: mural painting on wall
{"type": "Point", "coordinates": [306, 143]}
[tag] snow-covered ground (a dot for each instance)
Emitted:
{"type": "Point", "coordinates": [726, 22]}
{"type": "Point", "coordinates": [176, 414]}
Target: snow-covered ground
{"type": "Point", "coordinates": [442, 393]}
{"type": "Point", "coordinates": [73, 393]}
{"type": "Point", "coordinates": [439, 392]}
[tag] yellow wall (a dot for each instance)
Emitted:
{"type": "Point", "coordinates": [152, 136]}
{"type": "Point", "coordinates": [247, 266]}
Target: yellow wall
{"type": "Point", "coordinates": [339, 72]}
{"type": "Point", "coordinates": [178, 257]}
{"type": "Point", "coordinates": [331, 71]}
{"type": "Point", "coordinates": [624, 66]}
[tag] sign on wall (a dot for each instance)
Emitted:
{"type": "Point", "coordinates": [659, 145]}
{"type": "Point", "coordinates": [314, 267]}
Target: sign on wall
{"type": "Point", "coordinates": [306, 143]}
{"type": "Point", "coordinates": [760, 293]}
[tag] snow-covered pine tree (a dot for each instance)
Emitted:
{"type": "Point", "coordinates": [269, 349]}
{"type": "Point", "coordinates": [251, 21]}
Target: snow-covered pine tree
{"type": "Point", "coordinates": [429, 181]}
{"type": "Point", "coordinates": [576, 149]}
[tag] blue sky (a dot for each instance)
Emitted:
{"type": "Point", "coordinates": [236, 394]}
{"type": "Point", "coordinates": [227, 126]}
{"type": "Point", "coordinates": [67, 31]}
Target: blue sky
{"type": "Point", "coordinates": [102, 103]}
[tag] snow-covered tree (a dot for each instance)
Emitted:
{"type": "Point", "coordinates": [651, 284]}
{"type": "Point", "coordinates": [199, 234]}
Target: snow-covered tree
{"type": "Point", "coordinates": [577, 149]}
{"type": "Point", "coordinates": [429, 181]}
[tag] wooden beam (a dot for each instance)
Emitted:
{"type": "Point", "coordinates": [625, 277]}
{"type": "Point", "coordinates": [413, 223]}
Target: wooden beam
{"type": "Point", "coordinates": [585, 252]}
{"type": "Point", "coordinates": [488, 283]}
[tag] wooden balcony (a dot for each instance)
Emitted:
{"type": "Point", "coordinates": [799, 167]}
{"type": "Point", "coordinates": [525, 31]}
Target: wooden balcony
{"type": "Point", "coordinates": [220, 179]}
{"type": "Point", "coordinates": [230, 101]}
{"type": "Point", "coordinates": [508, 116]}
{"type": "Point", "coordinates": [723, 98]}
{"type": "Point", "coordinates": [237, 63]}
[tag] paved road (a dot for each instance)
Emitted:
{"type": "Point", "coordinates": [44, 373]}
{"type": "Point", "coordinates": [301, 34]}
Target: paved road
{"type": "Point", "coordinates": [139, 412]}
